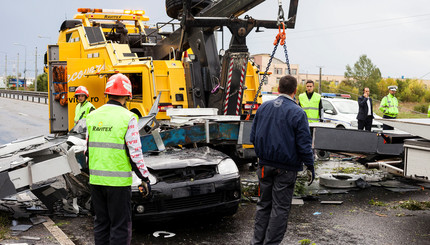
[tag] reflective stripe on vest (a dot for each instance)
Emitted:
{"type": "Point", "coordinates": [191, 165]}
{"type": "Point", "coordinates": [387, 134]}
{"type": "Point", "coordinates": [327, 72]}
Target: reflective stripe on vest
{"type": "Point", "coordinates": [109, 163]}
{"type": "Point", "coordinates": [310, 106]}
{"type": "Point", "coordinates": [106, 145]}
{"type": "Point", "coordinates": [110, 173]}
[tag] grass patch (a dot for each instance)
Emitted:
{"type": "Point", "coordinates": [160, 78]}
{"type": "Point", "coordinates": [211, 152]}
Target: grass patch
{"type": "Point", "coordinates": [350, 170]}
{"type": "Point", "coordinates": [414, 205]}
{"type": "Point", "coordinates": [306, 242]}
{"type": "Point", "coordinates": [61, 223]}
{"type": "Point", "coordinates": [377, 203]}
{"type": "Point", "coordinates": [4, 226]}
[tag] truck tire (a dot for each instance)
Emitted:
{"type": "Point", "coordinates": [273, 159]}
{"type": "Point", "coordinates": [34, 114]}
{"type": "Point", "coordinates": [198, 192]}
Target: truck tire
{"type": "Point", "coordinates": [174, 7]}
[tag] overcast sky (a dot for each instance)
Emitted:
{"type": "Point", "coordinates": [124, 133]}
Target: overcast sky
{"type": "Point", "coordinates": [394, 34]}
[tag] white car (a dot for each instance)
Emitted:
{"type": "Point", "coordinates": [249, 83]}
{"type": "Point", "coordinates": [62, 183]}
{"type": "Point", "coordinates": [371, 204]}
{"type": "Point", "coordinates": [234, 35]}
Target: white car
{"type": "Point", "coordinates": [343, 113]}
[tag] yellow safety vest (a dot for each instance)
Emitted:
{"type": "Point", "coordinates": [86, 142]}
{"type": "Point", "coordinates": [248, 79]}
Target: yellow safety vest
{"type": "Point", "coordinates": [389, 106]}
{"type": "Point", "coordinates": [108, 161]}
{"type": "Point", "coordinates": [310, 106]}
{"type": "Point", "coordinates": [82, 110]}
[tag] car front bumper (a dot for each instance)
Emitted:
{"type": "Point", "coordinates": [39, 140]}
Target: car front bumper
{"type": "Point", "coordinates": [219, 194]}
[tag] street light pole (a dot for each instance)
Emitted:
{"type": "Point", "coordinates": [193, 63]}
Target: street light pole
{"type": "Point", "coordinates": [35, 70]}
{"type": "Point", "coordinates": [25, 63]}
{"type": "Point", "coordinates": [17, 72]}
{"type": "Point", "coordinates": [5, 65]}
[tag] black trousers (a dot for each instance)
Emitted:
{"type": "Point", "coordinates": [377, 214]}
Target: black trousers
{"type": "Point", "coordinates": [386, 127]}
{"type": "Point", "coordinates": [274, 204]}
{"type": "Point", "coordinates": [365, 124]}
{"type": "Point", "coordinates": [112, 221]}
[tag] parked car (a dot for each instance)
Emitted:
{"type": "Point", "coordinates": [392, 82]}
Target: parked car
{"type": "Point", "coordinates": [343, 113]}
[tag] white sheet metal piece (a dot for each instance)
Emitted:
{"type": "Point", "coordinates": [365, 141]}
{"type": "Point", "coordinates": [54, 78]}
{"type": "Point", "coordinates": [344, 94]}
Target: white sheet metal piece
{"type": "Point", "coordinates": [418, 126]}
{"type": "Point", "coordinates": [40, 171]}
{"type": "Point", "coordinates": [21, 144]}
{"type": "Point", "coordinates": [192, 112]}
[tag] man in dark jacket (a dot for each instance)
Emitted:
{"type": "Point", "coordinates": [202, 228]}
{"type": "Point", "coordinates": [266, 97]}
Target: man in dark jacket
{"type": "Point", "coordinates": [282, 142]}
{"type": "Point", "coordinates": [365, 111]}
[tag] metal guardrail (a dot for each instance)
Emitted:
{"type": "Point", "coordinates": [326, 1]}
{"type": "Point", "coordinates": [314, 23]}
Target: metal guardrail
{"type": "Point", "coordinates": [39, 97]}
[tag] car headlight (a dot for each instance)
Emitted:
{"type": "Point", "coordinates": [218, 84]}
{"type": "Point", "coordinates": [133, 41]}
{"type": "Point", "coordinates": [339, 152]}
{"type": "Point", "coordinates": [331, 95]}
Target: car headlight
{"type": "Point", "coordinates": [354, 123]}
{"type": "Point", "coordinates": [227, 166]}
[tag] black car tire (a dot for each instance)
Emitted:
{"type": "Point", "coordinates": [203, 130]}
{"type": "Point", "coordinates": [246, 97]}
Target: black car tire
{"type": "Point", "coordinates": [174, 7]}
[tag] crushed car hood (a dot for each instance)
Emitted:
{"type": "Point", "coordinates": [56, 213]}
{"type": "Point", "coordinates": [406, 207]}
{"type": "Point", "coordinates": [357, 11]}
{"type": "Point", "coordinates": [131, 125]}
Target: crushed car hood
{"type": "Point", "coordinates": [176, 158]}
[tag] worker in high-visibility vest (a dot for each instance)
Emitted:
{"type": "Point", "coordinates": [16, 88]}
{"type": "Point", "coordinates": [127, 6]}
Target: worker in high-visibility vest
{"type": "Point", "coordinates": [113, 146]}
{"type": "Point", "coordinates": [311, 103]}
{"type": "Point", "coordinates": [83, 107]}
{"type": "Point", "coordinates": [389, 106]}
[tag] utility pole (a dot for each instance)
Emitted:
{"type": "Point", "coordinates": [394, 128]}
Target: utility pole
{"type": "Point", "coordinates": [17, 72]}
{"type": "Point", "coordinates": [5, 67]}
{"type": "Point", "coordinates": [35, 71]}
{"type": "Point", "coordinates": [25, 63]}
{"type": "Point", "coordinates": [319, 86]}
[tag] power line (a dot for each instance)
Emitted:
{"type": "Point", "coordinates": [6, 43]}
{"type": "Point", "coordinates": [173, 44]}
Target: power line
{"type": "Point", "coordinates": [348, 25]}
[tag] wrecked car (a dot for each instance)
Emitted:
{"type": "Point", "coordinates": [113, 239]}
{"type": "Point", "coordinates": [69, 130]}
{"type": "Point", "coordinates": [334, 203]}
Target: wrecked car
{"type": "Point", "coordinates": [199, 180]}
{"type": "Point", "coordinates": [184, 181]}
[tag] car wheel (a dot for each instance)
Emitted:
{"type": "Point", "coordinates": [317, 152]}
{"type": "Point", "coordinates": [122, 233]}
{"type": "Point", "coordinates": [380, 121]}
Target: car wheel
{"type": "Point", "coordinates": [340, 126]}
{"type": "Point", "coordinates": [323, 155]}
{"type": "Point", "coordinates": [174, 7]}
{"type": "Point", "coordinates": [338, 180]}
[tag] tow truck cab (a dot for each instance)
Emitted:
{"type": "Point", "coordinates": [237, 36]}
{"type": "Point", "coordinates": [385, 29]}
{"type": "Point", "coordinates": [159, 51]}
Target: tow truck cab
{"type": "Point", "coordinates": [99, 43]}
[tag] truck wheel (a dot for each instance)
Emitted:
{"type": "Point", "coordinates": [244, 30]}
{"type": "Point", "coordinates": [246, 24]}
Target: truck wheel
{"type": "Point", "coordinates": [174, 7]}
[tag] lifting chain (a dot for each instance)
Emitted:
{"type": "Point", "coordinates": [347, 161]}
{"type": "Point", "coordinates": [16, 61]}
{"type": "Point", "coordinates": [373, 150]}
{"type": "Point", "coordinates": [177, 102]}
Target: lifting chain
{"type": "Point", "coordinates": [281, 18]}
{"type": "Point", "coordinates": [280, 38]}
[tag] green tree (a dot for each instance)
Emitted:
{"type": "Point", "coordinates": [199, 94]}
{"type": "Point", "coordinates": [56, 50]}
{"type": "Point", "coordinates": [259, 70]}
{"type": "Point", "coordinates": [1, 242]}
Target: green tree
{"type": "Point", "coordinates": [414, 92]}
{"type": "Point", "coordinates": [383, 87]}
{"type": "Point", "coordinates": [42, 82]}
{"type": "Point", "coordinates": [364, 74]}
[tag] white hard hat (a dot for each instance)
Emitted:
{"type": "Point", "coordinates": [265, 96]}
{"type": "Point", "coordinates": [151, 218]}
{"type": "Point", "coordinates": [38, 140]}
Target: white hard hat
{"type": "Point", "coordinates": [393, 88]}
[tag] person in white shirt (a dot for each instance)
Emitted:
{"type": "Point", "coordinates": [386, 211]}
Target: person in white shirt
{"type": "Point", "coordinates": [365, 111]}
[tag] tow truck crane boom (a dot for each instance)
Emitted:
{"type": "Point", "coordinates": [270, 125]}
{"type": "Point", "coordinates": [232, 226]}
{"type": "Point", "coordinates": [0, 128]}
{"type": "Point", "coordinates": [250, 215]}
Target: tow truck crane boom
{"type": "Point", "coordinates": [220, 81]}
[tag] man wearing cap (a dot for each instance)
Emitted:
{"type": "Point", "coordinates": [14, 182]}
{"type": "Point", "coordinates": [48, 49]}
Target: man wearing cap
{"type": "Point", "coordinates": [389, 106]}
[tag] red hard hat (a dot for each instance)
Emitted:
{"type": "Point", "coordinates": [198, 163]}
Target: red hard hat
{"type": "Point", "coordinates": [82, 90]}
{"type": "Point", "coordinates": [118, 84]}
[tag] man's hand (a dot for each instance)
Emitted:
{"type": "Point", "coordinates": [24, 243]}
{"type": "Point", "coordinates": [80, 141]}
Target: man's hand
{"type": "Point", "coordinates": [145, 188]}
{"type": "Point", "coordinates": [311, 174]}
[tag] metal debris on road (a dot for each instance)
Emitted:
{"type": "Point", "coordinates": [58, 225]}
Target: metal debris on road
{"type": "Point", "coordinates": [163, 234]}
{"type": "Point", "coordinates": [332, 202]}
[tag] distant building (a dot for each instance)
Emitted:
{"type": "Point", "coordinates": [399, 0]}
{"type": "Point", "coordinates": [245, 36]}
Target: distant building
{"type": "Point", "coordinates": [279, 68]}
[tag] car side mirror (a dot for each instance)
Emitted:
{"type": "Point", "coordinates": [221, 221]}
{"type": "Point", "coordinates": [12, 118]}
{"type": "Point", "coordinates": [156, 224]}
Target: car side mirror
{"type": "Point", "coordinates": [331, 112]}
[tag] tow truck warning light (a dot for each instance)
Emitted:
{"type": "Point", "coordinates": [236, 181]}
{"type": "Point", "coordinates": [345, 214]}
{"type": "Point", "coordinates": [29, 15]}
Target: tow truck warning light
{"type": "Point", "coordinates": [111, 11]}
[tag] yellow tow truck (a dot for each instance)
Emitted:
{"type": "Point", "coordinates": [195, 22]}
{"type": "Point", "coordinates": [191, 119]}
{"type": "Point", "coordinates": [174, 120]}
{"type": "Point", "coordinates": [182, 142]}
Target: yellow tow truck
{"type": "Point", "coordinates": [102, 42]}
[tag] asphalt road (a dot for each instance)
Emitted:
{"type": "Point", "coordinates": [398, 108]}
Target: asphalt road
{"type": "Point", "coordinates": [21, 119]}
{"type": "Point", "coordinates": [355, 221]}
